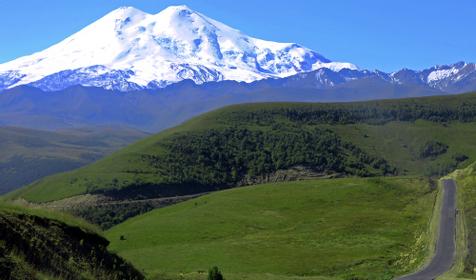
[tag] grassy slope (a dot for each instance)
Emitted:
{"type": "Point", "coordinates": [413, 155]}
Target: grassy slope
{"type": "Point", "coordinates": [366, 228]}
{"type": "Point", "coordinates": [40, 244]}
{"type": "Point", "coordinates": [51, 187]}
{"type": "Point", "coordinates": [398, 142]}
{"type": "Point", "coordinates": [27, 154]}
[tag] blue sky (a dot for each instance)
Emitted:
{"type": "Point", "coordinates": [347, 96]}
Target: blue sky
{"type": "Point", "coordinates": [385, 34]}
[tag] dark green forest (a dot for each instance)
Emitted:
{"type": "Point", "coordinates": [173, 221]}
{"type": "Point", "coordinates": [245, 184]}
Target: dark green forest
{"type": "Point", "coordinates": [227, 156]}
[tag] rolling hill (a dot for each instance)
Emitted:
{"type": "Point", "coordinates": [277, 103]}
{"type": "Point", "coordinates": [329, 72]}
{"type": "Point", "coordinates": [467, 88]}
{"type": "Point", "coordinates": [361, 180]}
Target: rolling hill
{"type": "Point", "coordinates": [258, 143]}
{"type": "Point", "coordinates": [273, 144]}
{"type": "Point", "coordinates": [255, 143]}
{"type": "Point", "coordinates": [28, 155]}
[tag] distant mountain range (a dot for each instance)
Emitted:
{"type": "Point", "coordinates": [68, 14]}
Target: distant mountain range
{"type": "Point", "coordinates": [154, 71]}
{"type": "Point", "coordinates": [455, 78]}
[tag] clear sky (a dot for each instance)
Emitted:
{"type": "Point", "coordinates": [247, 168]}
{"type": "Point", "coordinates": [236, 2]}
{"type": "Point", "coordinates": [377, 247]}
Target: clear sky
{"type": "Point", "coordinates": [373, 34]}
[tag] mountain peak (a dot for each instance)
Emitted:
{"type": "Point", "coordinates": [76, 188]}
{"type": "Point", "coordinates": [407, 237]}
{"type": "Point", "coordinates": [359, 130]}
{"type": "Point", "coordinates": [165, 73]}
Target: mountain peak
{"type": "Point", "coordinates": [124, 12]}
{"type": "Point", "coordinates": [130, 49]}
{"type": "Point", "coordinates": [177, 8]}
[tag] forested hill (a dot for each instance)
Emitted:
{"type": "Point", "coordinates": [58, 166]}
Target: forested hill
{"type": "Point", "coordinates": [254, 143]}
{"type": "Point", "coordinates": [435, 109]}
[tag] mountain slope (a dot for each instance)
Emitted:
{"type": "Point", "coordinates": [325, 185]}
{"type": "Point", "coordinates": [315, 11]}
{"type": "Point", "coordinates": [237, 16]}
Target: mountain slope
{"type": "Point", "coordinates": [27, 155]}
{"type": "Point", "coordinates": [129, 49]}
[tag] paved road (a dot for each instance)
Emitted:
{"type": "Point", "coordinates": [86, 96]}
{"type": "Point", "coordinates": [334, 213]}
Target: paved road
{"type": "Point", "coordinates": [445, 248]}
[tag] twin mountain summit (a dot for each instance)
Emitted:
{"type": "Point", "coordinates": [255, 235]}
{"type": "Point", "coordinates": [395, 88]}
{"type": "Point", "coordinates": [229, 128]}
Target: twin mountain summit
{"type": "Point", "coordinates": [188, 57]}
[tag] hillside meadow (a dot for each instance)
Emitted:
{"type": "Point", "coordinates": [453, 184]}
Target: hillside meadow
{"type": "Point", "coordinates": [337, 228]}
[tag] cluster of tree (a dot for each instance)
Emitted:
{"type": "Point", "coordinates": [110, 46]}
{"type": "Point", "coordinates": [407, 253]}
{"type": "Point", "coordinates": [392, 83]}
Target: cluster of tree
{"type": "Point", "coordinates": [227, 156]}
{"type": "Point", "coordinates": [109, 215]}
{"type": "Point", "coordinates": [375, 112]}
{"type": "Point", "coordinates": [432, 149]}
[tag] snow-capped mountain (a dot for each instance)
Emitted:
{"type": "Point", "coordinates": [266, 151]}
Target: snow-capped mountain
{"type": "Point", "coordinates": [455, 78]}
{"type": "Point", "coordinates": [129, 49]}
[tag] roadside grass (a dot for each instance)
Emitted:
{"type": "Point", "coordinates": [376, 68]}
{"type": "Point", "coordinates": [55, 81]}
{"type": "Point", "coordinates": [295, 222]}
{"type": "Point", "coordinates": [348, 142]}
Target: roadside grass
{"type": "Point", "coordinates": [464, 266]}
{"type": "Point", "coordinates": [352, 228]}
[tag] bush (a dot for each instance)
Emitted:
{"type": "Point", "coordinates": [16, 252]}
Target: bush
{"type": "Point", "coordinates": [432, 149]}
{"type": "Point", "coordinates": [215, 274]}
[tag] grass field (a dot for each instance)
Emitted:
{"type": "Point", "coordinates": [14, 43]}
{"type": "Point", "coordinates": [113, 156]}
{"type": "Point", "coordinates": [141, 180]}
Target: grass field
{"type": "Point", "coordinates": [350, 228]}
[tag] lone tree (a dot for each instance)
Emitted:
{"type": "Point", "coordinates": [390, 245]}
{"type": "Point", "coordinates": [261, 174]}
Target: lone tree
{"type": "Point", "coordinates": [215, 274]}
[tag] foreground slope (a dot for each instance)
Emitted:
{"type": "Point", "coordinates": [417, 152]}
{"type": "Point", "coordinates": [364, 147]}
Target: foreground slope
{"type": "Point", "coordinates": [248, 144]}
{"type": "Point", "coordinates": [44, 245]}
{"type": "Point", "coordinates": [27, 155]}
{"type": "Point", "coordinates": [341, 228]}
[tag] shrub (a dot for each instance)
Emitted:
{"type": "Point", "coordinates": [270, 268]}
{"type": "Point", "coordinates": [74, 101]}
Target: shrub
{"type": "Point", "coordinates": [215, 274]}
{"type": "Point", "coordinates": [432, 149]}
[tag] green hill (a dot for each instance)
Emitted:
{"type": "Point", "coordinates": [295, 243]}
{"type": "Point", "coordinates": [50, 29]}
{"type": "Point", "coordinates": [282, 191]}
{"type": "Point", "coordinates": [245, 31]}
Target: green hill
{"type": "Point", "coordinates": [348, 228]}
{"type": "Point", "coordinates": [28, 155]}
{"type": "Point", "coordinates": [256, 143]}
{"type": "Point", "coordinates": [36, 244]}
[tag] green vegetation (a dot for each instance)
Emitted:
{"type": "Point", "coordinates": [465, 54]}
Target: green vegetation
{"type": "Point", "coordinates": [256, 143]}
{"type": "Point", "coordinates": [228, 156]}
{"type": "Point", "coordinates": [466, 233]}
{"type": "Point", "coordinates": [433, 149]}
{"type": "Point", "coordinates": [215, 274]}
{"type": "Point", "coordinates": [27, 154]}
{"type": "Point", "coordinates": [348, 228]}
{"type": "Point", "coordinates": [352, 228]}
{"type": "Point", "coordinates": [36, 244]}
